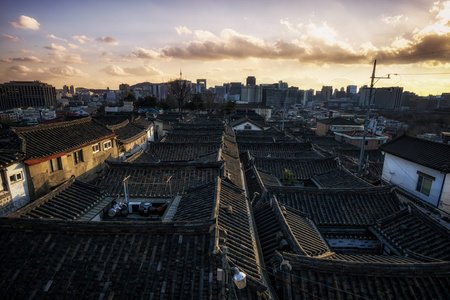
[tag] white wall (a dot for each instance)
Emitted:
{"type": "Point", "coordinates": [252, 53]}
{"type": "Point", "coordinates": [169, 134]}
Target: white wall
{"type": "Point", "coordinates": [19, 189]}
{"type": "Point", "coordinates": [403, 173]}
{"type": "Point", "coordinates": [242, 127]}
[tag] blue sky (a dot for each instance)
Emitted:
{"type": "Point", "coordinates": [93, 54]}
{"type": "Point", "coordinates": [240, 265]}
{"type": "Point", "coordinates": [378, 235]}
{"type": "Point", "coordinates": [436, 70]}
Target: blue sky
{"type": "Point", "coordinates": [99, 44]}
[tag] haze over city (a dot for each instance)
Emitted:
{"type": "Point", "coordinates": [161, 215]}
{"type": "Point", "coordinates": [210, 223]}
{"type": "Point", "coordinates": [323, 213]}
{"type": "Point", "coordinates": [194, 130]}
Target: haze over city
{"type": "Point", "coordinates": [307, 44]}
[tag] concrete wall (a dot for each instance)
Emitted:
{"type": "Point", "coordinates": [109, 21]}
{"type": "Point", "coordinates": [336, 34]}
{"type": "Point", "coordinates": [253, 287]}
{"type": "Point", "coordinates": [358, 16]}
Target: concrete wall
{"type": "Point", "coordinates": [41, 179]}
{"type": "Point", "coordinates": [403, 173]}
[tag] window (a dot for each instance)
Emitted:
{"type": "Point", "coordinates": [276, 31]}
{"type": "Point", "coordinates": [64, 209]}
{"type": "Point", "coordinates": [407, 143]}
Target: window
{"type": "Point", "coordinates": [78, 156]}
{"type": "Point", "coordinates": [55, 164]}
{"type": "Point", "coordinates": [247, 127]}
{"type": "Point", "coordinates": [95, 148]}
{"type": "Point", "coordinates": [16, 177]}
{"type": "Point", "coordinates": [424, 183]}
{"type": "Point", "coordinates": [107, 145]}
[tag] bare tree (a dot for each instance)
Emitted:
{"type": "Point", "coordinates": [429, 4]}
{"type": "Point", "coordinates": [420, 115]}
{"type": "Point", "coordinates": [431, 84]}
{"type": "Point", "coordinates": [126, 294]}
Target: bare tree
{"type": "Point", "coordinates": [180, 90]}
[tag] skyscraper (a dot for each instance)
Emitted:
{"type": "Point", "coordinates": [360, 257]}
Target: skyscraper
{"type": "Point", "coordinates": [26, 93]}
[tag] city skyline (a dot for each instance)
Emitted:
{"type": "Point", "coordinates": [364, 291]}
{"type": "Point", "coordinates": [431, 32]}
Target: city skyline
{"type": "Point", "coordinates": [105, 43]}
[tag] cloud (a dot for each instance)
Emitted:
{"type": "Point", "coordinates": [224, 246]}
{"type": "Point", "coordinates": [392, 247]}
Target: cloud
{"type": "Point", "coordinates": [25, 22]}
{"type": "Point", "coordinates": [82, 39]}
{"type": "Point", "coordinates": [393, 20]}
{"type": "Point", "coordinates": [55, 47]}
{"type": "Point", "coordinates": [6, 60]}
{"type": "Point", "coordinates": [46, 73]}
{"type": "Point", "coordinates": [73, 46]}
{"type": "Point", "coordinates": [10, 37]}
{"type": "Point", "coordinates": [183, 30]}
{"type": "Point", "coordinates": [20, 69]}
{"type": "Point", "coordinates": [56, 38]}
{"type": "Point", "coordinates": [107, 40]}
{"type": "Point", "coordinates": [67, 71]}
{"type": "Point", "coordinates": [114, 70]}
{"type": "Point", "coordinates": [143, 53]}
{"type": "Point", "coordinates": [67, 58]}
{"type": "Point", "coordinates": [143, 71]}
{"type": "Point", "coordinates": [33, 59]}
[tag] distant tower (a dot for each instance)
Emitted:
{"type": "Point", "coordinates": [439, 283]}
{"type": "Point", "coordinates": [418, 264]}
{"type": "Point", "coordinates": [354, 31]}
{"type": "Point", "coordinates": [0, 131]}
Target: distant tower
{"type": "Point", "coordinates": [181, 74]}
{"type": "Point", "coordinates": [201, 85]}
{"type": "Point", "coordinates": [251, 81]}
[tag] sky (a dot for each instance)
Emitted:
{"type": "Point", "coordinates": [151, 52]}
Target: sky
{"type": "Point", "coordinates": [308, 44]}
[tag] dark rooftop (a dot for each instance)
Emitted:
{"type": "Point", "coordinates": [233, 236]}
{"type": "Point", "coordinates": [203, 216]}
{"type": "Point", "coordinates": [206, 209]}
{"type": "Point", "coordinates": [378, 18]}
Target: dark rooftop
{"type": "Point", "coordinates": [418, 151]}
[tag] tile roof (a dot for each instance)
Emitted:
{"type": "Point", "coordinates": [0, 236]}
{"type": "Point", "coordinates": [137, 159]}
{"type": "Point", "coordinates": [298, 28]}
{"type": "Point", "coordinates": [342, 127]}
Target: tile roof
{"type": "Point", "coordinates": [198, 203]}
{"type": "Point", "coordinates": [411, 232]}
{"type": "Point", "coordinates": [151, 179]}
{"type": "Point", "coordinates": [282, 150]}
{"type": "Point", "coordinates": [49, 139]}
{"type": "Point", "coordinates": [181, 152]}
{"type": "Point", "coordinates": [105, 260]}
{"type": "Point", "coordinates": [69, 201]}
{"type": "Point", "coordinates": [312, 278]}
{"type": "Point", "coordinates": [418, 151]}
{"type": "Point", "coordinates": [367, 258]}
{"type": "Point", "coordinates": [337, 121]}
{"type": "Point", "coordinates": [183, 138]}
{"type": "Point", "coordinates": [302, 169]}
{"type": "Point", "coordinates": [339, 178]}
{"type": "Point", "coordinates": [127, 131]}
{"type": "Point", "coordinates": [283, 228]}
{"type": "Point", "coordinates": [334, 207]}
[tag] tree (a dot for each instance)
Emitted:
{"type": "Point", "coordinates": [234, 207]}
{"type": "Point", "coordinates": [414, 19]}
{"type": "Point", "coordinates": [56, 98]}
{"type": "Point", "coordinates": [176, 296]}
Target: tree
{"type": "Point", "coordinates": [287, 178]}
{"type": "Point", "coordinates": [180, 90]}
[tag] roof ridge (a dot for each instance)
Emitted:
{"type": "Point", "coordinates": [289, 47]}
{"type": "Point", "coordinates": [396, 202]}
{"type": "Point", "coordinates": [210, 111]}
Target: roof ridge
{"type": "Point", "coordinates": [51, 125]}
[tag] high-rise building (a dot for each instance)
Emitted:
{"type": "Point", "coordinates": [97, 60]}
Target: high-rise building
{"type": "Point", "coordinates": [201, 86]}
{"type": "Point", "coordinates": [382, 98]}
{"type": "Point", "coordinates": [26, 93]}
{"type": "Point", "coordinates": [72, 90]}
{"type": "Point", "coordinates": [326, 92]}
{"type": "Point", "coordinates": [251, 81]}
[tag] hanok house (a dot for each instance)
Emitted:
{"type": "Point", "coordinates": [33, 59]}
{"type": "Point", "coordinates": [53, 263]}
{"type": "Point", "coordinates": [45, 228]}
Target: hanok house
{"type": "Point", "coordinates": [419, 167]}
{"type": "Point", "coordinates": [55, 152]}
{"type": "Point", "coordinates": [326, 126]}
{"type": "Point", "coordinates": [133, 133]}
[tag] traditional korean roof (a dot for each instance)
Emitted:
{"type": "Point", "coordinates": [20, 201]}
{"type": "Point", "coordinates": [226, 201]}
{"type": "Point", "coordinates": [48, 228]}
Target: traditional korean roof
{"type": "Point", "coordinates": [230, 156]}
{"type": "Point", "coordinates": [127, 132]}
{"type": "Point", "coordinates": [339, 207]}
{"type": "Point", "coordinates": [411, 232]}
{"type": "Point", "coordinates": [282, 150]}
{"type": "Point", "coordinates": [302, 169]}
{"type": "Point", "coordinates": [229, 207]}
{"type": "Point", "coordinates": [339, 178]}
{"type": "Point", "coordinates": [199, 203]}
{"type": "Point", "coordinates": [312, 278]}
{"type": "Point", "coordinates": [198, 130]}
{"type": "Point", "coordinates": [245, 119]}
{"type": "Point", "coordinates": [418, 151]}
{"type": "Point", "coordinates": [69, 201]}
{"type": "Point", "coordinates": [281, 227]}
{"type": "Point", "coordinates": [369, 258]}
{"type": "Point", "coordinates": [337, 121]}
{"type": "Point", "coordinates": [45, 140]}
{"type": "Point", "coordinates": [183, 138]}
{"type": "Point", "coordinates": [162, 180]}
{"type": "Point", "coordinates": [183, 152]}
{"type": "Point", "coordinates": [102, 260]}
{"type": "Point", "coordinates": [9, 157]}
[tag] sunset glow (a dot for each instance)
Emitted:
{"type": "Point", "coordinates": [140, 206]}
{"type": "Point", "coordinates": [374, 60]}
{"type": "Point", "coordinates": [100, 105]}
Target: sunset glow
{"type": "Point", "coordinates": [99, 44]}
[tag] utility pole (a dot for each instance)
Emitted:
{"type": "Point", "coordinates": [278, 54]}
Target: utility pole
{"type": "Point", "coordinates": [366, 121]}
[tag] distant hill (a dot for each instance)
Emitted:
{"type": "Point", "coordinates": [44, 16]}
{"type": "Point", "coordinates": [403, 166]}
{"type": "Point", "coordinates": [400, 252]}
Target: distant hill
{"type": "Point", "coordinates": [140, 85]}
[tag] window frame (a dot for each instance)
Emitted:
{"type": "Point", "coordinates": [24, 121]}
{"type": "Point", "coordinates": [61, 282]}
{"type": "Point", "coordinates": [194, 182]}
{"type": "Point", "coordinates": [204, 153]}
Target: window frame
{"type": "Point", "coordinates": [78, 156]}
{"type": "Point", "coordinates": [96, 146]}
{"type": "Point", "coordinates": [422, 183]}
{"type": "Point", "coordinates": [55, 164]}
{"type": "Point", "coordinates": [105, 143]}
{"type": "Point", "coordinates": [14, 177]}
